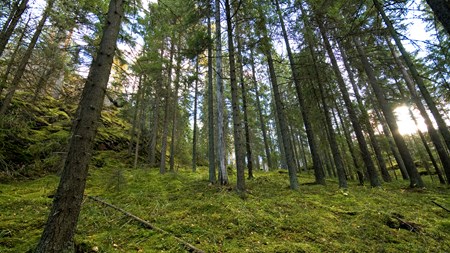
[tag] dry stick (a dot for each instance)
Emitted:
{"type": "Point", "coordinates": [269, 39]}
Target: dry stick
{"type": "Point", "coordinates": [189, 246]}
{"type": "Point", "coordinates": [439, 205]}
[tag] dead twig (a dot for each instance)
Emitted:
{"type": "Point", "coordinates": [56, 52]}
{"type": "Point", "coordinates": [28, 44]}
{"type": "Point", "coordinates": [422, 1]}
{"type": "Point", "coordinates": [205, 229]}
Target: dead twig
{"type": "Point", "coordinates": [189, 246]}
{"type": "Point", "coordinates": [441, 206]}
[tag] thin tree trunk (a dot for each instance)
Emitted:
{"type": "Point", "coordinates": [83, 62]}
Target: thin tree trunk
{"type": "Point", "coordinates": [60, 227]}
{"type": "Point", "coordinates": [174, 113]}
{"type": "Point", "coordinates": [223, 176]}
{"type": "Point", "coordinates": [4, 80]}
{"type": "Point", "coordinates": [414, 177]}
{"type": "Point", "coordinates": [237, 125]}
{"type": "Point", "coordinates": [260, 114]}
{"type": "Point", "coordinates": [25, 58]}
{"type": "Point", "coordinates": [326, 110]}
{"type": "Point", "coordinates": [11, 22]}
{"type": "Point", "coordinates": [156, 109]}
{"type": "Point", "coordinates": [284, 131]}
{"type": "Point", "coordinates": [370, 167]}
{"type": "Point", "coordinates": [318, 170]}
{"type": "Point", "coordinates": [427, 149]}
{"type": "Point", "coordinates": [162, 165]}
{"type": "Point", "coordinates": [248, 147]}
{"type": "Point", "coordinates": [211, 146]}
{"type": "Point", "coordinates": [365, 116]}
{"type": "Point", "coordinates": [194, 135]}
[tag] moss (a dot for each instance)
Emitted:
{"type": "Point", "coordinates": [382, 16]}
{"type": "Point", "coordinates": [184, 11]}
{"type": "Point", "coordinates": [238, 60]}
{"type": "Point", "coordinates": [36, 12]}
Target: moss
{"type": "Point", "coordinates": [271, 219]}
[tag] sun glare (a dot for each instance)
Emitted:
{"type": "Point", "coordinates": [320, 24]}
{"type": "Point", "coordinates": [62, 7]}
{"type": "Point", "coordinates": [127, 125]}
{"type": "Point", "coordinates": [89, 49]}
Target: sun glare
{"type": "Point", "coordinates": [405, 122]}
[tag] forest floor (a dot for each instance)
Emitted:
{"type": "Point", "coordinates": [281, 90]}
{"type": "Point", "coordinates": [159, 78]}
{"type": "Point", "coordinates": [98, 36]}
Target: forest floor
{"type": "Point", "coordinates": [271, 218]}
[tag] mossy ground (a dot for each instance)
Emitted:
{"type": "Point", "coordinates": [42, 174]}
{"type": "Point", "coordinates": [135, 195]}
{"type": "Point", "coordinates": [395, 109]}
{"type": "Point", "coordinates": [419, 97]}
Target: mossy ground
{"type": "Point", "coordinates": [271, 218]}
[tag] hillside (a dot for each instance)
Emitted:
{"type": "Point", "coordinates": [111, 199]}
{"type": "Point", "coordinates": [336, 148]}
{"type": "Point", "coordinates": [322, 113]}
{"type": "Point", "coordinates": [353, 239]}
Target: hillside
{"type": "Point", "coordinates": [270, 218]}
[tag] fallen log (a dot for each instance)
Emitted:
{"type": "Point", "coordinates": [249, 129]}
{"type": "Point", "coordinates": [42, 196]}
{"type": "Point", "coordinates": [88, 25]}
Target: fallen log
{"type": "Point", "coordinates": [187, 245]}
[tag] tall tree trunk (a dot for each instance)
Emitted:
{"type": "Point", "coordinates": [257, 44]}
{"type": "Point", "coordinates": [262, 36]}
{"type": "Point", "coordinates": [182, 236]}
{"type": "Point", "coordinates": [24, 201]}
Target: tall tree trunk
{"type": "Point", "coordinates": [434, 135]}
{"type": "Point", "coordinates": [223, 176]}
{"type": "Point", "coordinates": [414, 177]}
{"type": "Point", "coordinates": [135, 120]}
{"type": "Point", "coordinates": [11, 22]}
{"type": "Point", "coordinates": [318, 170]}
{"type": "Point", "coordinates": [211, 148]}
{"type": "Point", "coordinates": [416, 76]}
{"type": "Point", "coordinates": [60, 227]}
{"type": "Point", "coordinates": [279, 108]}
{"type": "Point", "coordinates": [194, 135]}
{"type": "Point", "coordinates": [25, 58]}
{"type": "Point", "coordinates": [370, 167]}
{"type": "Point", "coordinates": [391, 142]}
{"type": "Point", "coordinates": [155, 118]}
{"type": "Point", "coordinates": [441, 10]}
{"type": "Point", "coordinates": [174, 113]}
{"type": "Point", "coordinates": [326, 110]}
{"type": "Point", "coordinates": [162, 165]}
{"type": "Point", "coordinates": [237, 125]}
{"type": "Point", "coordinates": [260, 114]}
{"type": "Point", "coordinates": [248, 147]}
{"type": "Point", "coordinates": [365, 116]}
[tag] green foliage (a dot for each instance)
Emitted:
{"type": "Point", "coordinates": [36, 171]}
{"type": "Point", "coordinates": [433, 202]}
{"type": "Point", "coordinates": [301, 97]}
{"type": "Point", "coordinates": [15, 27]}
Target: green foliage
{"type": "Point", "coordinates": [34, 137]}
{"type": "Point", "coordinates": [215, 219]}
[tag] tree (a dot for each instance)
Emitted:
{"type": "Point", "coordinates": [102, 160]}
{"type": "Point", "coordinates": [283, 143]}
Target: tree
{"type": "Point", "coordinates": [19, 7]}
{"type": "Point", "coordinates": [441, 9]}
{"type": "Point", "coordinates": [60, 227]}
{"type": "Point", "coordinates": [223, 176]}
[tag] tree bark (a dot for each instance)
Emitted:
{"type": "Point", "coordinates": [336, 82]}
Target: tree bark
{"type": "Point", "coordinates": [194, 134]}
{"type": "Point", "coordinates": [237, 124]}
{"type": "Point", "coordinates": [60, 227]}
{"type": "Point", "coordinates": [174, 113]}
{"type": "Point", "coordinates": [223, 176]}
{"type": "Point", "coordinates": [248, 146]}
{"type": "Point", "coordinates": [211, 146]}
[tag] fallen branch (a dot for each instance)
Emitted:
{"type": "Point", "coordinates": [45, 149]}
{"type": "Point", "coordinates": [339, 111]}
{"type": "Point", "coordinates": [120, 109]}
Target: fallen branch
{"type": "Point", "coordinates": [441, 206]}
{"type": "Point", "coordinates": [413, 227]}
{"type": "Point", "coordinates": [189, 246]}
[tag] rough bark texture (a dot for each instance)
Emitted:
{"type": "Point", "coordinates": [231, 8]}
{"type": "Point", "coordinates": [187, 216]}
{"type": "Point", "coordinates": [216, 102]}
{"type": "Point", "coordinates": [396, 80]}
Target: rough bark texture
{"type": "Point", "coordinates": [174, 114]}
{"type": "Point", "coordinates": [60, 227]}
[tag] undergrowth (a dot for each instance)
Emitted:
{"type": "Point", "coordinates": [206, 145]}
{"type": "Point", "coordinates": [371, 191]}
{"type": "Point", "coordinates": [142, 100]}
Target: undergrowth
{"type": "Point", "coordinates": [271, 218]}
